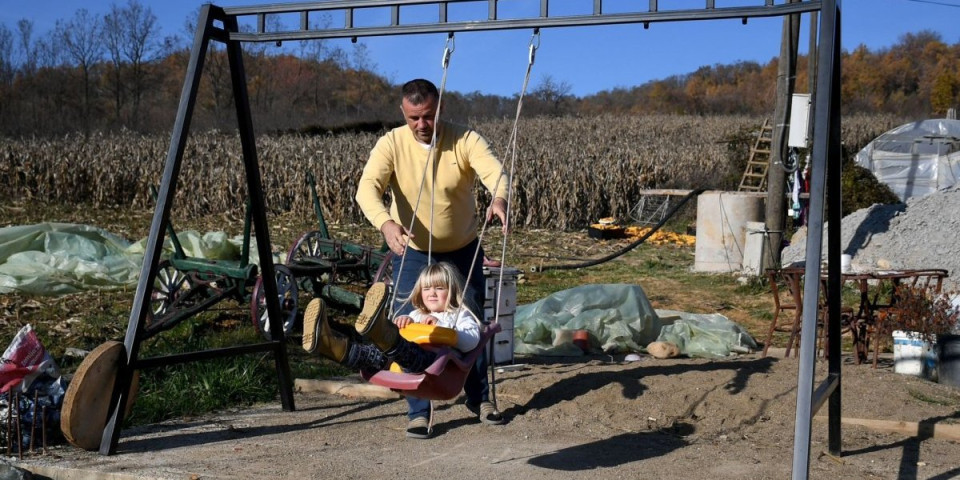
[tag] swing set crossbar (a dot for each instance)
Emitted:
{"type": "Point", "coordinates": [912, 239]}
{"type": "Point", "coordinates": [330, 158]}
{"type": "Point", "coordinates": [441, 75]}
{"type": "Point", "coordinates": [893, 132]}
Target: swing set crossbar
{"type": "Point", "coordinates": [493, 20]}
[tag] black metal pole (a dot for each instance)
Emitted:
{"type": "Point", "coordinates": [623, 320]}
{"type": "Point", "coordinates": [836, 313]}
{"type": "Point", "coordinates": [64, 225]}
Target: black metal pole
{"type": "Point", "coordinates": [161, 218]}
{"type": "Point", "coordinates": [835, 214]}
{"type": "Point", "coordinates": [258, 212]}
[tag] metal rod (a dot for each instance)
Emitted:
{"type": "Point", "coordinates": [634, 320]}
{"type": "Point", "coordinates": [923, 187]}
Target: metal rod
{"type": "Point", "coordinates": [43, 426]}
{"type": "Point", "coordinates": [825, 390]}
{"type": "Point", "coordinates": [153, 362]}
{"type": "Point", "coordinates": [9, 419]}
{"type": "Point", "coordinates": [834, 191]}
{"type": "Point", "coordinates": [33, 422]}
{"type": "Point", "coordinates": [19, 430]}
{"type": "Point", "coordinates": [257, 204]}
{"type": "Point", "coordinates": [541, 21]}
{"type": "Point", "coordinates": [829, 44]}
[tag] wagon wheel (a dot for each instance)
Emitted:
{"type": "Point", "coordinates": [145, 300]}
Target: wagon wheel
{"type": "Point", "coordinates": [308, 245]}
{"type": "Point", "coordinates": [384, 272]}
{"type": "Point", "coordinates": [169, 285]}
{"type": "Point", "coordinates": [287, 292]}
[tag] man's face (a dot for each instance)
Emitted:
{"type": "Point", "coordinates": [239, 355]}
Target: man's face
{"type": "Point", "coordinates": [420, 118]}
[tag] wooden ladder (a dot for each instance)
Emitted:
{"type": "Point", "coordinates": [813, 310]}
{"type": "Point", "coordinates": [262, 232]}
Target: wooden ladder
{"type": "Point", "coordinates": [755, 175]}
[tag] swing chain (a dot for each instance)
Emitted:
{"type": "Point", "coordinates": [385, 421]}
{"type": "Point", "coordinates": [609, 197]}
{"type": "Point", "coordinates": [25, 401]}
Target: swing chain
{"type": "Point", "coordinates": [534, 44]}
{"type": "Point", "coordinates": [448, 50]}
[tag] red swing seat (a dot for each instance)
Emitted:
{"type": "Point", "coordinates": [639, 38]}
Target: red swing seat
{"type": "Point", "coordinates": [443, 379]}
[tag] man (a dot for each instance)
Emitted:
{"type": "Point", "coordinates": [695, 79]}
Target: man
{"type": "Point", "coordinates": [447, 209]}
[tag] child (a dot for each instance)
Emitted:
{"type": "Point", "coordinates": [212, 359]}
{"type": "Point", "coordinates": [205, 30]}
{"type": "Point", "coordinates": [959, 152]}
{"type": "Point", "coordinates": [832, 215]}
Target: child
{"type": "Point", "coordinates": [436, 298]}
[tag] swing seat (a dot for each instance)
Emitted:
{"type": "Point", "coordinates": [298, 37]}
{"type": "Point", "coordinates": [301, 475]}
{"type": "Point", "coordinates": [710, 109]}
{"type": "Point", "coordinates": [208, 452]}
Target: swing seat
{"type": "Point", "coordinates": [443, 379]}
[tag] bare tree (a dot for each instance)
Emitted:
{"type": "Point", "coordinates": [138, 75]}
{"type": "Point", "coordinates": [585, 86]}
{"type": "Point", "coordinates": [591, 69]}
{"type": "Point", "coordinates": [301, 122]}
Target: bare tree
{"type": "Point", "coordinates": [140, 47]}
{"type": "Point", "coordinates": [6, 55]}
{"type": "Point", "coordinates": [82, 40]}
{"type": "Point", "coordinates": [130, 38]}
{"type": "Point", "coordinates": [113, 38]}
{"type": "Point", "coordinates": [552, 93]}
{"type": "Point", "coordinates": [28, 51]}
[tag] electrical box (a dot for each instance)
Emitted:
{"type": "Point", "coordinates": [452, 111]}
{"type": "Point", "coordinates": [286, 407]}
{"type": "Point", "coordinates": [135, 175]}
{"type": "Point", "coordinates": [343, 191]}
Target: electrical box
{"type": "Point", "coordinates": [799, 120]}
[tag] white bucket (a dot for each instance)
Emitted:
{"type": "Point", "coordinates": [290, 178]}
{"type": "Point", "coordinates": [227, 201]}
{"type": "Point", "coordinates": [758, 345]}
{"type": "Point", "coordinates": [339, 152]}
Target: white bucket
{"type": "Point", "coordinates": [912, 355]}
{"type": "Point", "coordinates": [845, 261]}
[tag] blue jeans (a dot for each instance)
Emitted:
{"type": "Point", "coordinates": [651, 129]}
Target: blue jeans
{"type": "Point", "coordinates": [476, 386]}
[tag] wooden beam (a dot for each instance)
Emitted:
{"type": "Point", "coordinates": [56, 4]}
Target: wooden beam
{"type": "Point", "coordinates": [912, 429]}
{"type": "Point", "coordinates": [345, 388]}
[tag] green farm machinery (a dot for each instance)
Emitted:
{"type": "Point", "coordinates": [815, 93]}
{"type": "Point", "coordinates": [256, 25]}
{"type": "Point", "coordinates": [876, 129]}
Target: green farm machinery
{"type": "Point", "coordinates": [339, 272]}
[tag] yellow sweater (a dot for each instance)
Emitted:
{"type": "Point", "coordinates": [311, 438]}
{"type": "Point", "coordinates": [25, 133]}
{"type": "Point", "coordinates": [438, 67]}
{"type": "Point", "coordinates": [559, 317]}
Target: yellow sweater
{"type": "Point", "coordinates": [398, 160]}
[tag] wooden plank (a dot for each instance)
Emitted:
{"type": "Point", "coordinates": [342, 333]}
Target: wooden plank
{"type": "Point", "coordinates": [666, 191]}
{"type": "Point", "coordinates": [345, 388]}
{"type": "Point", "coordinates": [912, 429]}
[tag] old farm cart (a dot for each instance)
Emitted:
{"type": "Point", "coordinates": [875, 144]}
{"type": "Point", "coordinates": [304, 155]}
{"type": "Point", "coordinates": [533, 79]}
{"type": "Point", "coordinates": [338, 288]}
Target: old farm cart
{"type": "Point", "coordinates": [221, 25]}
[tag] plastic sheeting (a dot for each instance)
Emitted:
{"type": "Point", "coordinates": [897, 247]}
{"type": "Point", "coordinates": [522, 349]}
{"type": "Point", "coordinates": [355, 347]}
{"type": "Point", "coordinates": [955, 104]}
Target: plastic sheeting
{"type": "Point", "coordinates": [61, 258]}
{"type": "Point", "coordinates": [709, 335]}
{"type": "Point", "coordinates": [620, 319]}
{"type": "Point", "coordinates": [917, 158]}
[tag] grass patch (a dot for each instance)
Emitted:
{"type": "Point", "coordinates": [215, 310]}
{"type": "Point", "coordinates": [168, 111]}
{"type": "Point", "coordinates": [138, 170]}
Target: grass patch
{"type": "Point", "coordinates": [926, 398]}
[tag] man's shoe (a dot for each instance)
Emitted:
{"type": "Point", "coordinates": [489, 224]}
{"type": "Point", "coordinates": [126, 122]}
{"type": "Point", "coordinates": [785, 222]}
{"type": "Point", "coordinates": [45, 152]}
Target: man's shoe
{"type": "Point", "coordinates": [318, 337]}
{"type": "Point", "coordinates": [486, 412]}
{"type": "Point", "coordinates": [372, 322]}
{"type": "Point", "coordinates": [419, 427]}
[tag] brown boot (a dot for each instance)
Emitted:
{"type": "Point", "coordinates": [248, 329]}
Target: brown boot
{"type": "Point", "coordinates": [318, 337]}
{"type": "Point", "coordinates": [373, 323]}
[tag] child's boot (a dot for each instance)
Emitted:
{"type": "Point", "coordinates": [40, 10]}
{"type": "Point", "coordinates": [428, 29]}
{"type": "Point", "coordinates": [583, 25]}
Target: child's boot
{"type": "Point", "coordinates": [318, 337]}
{"type": "Point", "coordinates": [373, 323]}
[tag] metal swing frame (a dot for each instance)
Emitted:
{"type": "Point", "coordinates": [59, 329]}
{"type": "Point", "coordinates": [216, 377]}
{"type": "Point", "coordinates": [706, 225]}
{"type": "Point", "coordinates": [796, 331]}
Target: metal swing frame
{"type": "Point", "coordinates": [221, 25]}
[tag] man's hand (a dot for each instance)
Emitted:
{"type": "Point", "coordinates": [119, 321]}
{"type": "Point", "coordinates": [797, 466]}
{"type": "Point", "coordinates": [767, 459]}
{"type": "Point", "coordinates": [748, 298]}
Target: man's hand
{"type": "Point", "coordinates": [498, 208]}
{"type": "Point", "coordinates": [395, 236]}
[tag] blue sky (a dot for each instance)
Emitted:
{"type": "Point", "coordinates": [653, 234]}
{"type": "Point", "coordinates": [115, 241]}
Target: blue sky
{"type": "Point", "coordinates": [588, 59]}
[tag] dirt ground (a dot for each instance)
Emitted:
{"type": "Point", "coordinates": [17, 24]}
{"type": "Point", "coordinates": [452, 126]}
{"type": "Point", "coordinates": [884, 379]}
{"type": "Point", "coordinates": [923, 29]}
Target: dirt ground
{"type": "Point", "coordinates": [596, 417]}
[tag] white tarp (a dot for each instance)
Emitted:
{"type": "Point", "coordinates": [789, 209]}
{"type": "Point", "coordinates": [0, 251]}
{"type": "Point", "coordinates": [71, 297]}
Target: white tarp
{"type": "Point", "coordinates": [60, 258]}
{"type": "Point", "coordinates": [917, 158]}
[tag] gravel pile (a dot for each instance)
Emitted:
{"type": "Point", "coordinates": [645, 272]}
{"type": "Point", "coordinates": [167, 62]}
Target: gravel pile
{"type": "Point", "coordinates": [921, 234]}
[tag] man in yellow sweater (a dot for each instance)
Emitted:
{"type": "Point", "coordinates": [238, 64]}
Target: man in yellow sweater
{"type": "Point", "coordinates": [445, 220]}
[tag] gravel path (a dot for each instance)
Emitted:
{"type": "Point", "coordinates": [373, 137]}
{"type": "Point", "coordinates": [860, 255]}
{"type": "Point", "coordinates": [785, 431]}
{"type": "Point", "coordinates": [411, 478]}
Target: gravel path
{"type": "Point", "coordinates": [920, 234]}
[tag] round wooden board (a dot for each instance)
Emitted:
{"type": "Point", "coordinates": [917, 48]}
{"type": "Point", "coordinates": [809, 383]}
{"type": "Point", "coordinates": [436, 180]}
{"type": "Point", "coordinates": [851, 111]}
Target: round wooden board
{"type": "Point", "coordinates": [87, 400]}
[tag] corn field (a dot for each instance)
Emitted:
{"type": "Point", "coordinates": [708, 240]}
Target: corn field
{"type": "Point", "coordinates": [568, 171]}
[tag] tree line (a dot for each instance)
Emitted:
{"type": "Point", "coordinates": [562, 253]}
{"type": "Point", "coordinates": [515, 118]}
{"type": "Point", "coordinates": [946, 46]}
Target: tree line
{"type": "Point", "coordinates": [118, 71]}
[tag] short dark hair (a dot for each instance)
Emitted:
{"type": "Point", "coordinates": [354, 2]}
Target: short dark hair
{"type": "Point", "coordinates": [419, 91]}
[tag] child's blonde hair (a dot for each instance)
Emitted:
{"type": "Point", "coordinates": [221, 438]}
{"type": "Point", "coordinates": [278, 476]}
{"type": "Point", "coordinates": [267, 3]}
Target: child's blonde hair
{"type": "Point", "coordinates": [439, 274]}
